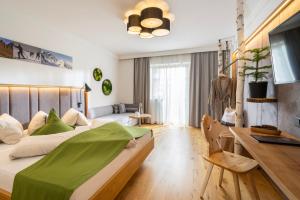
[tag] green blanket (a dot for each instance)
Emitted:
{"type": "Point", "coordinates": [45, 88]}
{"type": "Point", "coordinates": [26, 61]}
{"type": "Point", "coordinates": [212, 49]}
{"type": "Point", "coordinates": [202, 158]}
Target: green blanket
{"type": "Point", "coordinates": [58, 174]}
{"type": "Point", "coordinates": [136, 132]}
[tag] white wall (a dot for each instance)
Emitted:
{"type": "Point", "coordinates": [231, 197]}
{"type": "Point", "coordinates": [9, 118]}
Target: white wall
{"type": "Point", "coordinates": [212, 47]}
{"type": "Point", "coordinates": [125, 79]}
{"type": "Point", "coordinates": [256, 12]}
{"type": "Point", "coordinates": [86, 56]}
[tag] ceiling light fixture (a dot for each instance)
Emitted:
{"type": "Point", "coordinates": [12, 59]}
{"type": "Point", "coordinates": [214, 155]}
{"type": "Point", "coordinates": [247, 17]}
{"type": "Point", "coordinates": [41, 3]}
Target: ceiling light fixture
{"type": "Point", "coordinates": [146, 33]}
{"type": "Point", "coordinates": [163, 30]}
{"type": "Point", "coordinates": [133, 25]}
{"type": "Point", "coordinates": [149, 18]}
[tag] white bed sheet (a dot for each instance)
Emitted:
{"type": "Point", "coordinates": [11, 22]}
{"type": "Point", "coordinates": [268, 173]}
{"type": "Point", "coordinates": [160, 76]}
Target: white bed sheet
{"type": "Point", "coordinates": [9, 168]}
{"type": "Point", "coordinates": [5, 147]}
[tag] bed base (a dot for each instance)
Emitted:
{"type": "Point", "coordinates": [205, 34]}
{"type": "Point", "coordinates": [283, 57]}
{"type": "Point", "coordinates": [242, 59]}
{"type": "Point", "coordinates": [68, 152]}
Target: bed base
{"type": "Point", "coordinates": [4, 195]}
{"type": "Point", "coordinates": [116, 183]}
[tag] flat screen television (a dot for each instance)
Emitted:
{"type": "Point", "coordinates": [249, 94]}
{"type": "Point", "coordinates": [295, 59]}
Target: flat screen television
{"type": "Point", "coordinates": [285, 51]}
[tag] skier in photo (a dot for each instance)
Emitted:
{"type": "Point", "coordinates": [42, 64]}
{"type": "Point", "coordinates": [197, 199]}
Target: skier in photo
{"type": "Point", "coordinates": [38, 56]}
{"type": "Point", "coordinates": [20, 53]}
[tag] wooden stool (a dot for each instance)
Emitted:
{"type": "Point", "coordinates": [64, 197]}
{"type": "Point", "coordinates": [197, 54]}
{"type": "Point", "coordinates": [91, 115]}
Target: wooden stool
{"type": "Point", "coordinates": [213, 153]}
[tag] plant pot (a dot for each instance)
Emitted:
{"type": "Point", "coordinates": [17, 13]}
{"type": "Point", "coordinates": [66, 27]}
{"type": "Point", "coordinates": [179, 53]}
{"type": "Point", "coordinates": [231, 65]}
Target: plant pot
{"type": "Point", "coordinates": [258, 89]}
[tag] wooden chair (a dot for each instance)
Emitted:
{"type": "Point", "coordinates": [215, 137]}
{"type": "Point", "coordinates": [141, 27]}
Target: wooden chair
{"type": "Point", "coordinates": [226, 140]}
{"type": "Point", "coordinates": [213, 153]}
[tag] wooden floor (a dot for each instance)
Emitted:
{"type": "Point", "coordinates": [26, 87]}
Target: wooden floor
{"type": "Point", "coordinates": [175, 169]}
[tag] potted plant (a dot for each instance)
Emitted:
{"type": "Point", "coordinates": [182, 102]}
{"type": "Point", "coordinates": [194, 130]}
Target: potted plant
{"type": "Point", "coordinates": [259, 84]}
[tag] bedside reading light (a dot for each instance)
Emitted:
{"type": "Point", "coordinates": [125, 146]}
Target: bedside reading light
{"type": "Point", "coordinates": [87, 89]}
{"type": "Point", "coordinates": [298, 121]}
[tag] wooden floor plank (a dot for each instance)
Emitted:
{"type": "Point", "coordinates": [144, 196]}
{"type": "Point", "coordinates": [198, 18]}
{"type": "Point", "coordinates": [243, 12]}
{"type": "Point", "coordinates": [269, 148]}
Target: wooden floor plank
{"type": "Point", "coordinates": [175, 170]}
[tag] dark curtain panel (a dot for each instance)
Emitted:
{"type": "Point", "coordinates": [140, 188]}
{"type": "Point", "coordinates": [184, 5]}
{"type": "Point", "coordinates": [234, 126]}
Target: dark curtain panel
{"type": "Point", "coordinates": [141, 93]}
{"type": "Point", "coordinates": [204, 68]}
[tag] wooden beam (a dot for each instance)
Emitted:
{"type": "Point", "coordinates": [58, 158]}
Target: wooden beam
{"type": "Point", "coordinates": [269, 19]}
{"type": "Point", "coordinates": [86, 103]}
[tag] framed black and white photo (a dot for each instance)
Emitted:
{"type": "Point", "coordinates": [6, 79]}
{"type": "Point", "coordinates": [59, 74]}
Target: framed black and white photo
{"type": "Point", "coordinates": [20, 51]}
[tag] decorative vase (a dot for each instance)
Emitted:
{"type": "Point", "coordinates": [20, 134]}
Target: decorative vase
{"type": "Point", "coordinates": [258, 89]}
{"type": "Point", "coordinates": [141, 108]}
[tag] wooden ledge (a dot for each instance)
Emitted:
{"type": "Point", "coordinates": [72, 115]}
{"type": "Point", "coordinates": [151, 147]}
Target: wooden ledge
{"type": "Point", "coordinates": [262, 100]}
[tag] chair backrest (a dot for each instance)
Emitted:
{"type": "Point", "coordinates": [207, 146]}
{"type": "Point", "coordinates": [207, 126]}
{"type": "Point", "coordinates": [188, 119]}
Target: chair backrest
{"type": "Point", "coordinates": [210, 131]}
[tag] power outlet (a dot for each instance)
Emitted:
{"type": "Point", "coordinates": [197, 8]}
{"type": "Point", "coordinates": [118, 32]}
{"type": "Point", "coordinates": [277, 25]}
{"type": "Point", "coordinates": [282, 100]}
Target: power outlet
{"type": "Point", "coordinates": [297, 121]}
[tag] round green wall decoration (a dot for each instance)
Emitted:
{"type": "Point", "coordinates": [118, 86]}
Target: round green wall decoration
{"type": "Point", "coordinates": [106, 87]}
{"type": "Point", "coordinates": [97, 74]}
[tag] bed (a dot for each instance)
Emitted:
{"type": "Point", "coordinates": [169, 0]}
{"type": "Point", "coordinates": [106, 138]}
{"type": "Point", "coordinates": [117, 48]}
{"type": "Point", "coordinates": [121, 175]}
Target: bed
{"type": "Point", "coordinates": [23, 102]}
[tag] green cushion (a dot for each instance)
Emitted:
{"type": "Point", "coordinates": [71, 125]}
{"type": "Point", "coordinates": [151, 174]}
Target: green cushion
{"type": "Point", "coordinates": [53, 125]}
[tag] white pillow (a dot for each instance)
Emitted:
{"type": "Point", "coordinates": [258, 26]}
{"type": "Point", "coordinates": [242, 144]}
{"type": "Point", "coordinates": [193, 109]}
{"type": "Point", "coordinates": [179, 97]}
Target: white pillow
{"type": "Point", "coordinates": [82, 120]}
{"type": "Point", "coordinates": [40, 145]}
{"type": "Point", "coordinates": [11, 130]}
{"type": "Point", "coordinates": [37, 122]}
{"type": "Point", "coordinates": [25, 133]}
{"type": "Point", "coordinates": [100, 122]}
{"type": "Point", "coordinates": [70, 117]}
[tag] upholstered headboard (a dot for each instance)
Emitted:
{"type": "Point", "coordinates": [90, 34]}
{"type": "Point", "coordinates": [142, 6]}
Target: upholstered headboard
{"type": "Point", "coordinates": [22, 102]}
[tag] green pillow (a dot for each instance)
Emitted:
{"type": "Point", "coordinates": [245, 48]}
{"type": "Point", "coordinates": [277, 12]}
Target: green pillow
{"type": "Point", "coordinates": [53, 125]}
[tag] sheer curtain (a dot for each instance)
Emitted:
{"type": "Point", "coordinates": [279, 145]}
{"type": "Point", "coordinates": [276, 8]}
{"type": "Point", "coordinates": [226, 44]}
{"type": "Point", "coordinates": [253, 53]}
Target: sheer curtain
{"type": "Point", "coordinates": [169, 89]}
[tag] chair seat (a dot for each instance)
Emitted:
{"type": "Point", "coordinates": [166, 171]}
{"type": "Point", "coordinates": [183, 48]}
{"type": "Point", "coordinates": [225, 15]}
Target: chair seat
{"type": "Point", "coordinates": [232, 162]}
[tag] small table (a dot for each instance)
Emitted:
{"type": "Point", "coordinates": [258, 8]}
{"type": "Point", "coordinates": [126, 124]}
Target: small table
{"type": "Point", "coordinates": [140, 117]}
{"type": "Point", "coordinates": [280, 162]}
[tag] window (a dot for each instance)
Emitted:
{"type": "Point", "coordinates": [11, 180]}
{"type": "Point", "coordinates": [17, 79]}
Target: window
{"type": "Point", "coordinates": [169, 89]}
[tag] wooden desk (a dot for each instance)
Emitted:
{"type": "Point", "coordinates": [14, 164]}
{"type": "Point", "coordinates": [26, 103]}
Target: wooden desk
{"type": "Point", "coordinates": [280, 162]}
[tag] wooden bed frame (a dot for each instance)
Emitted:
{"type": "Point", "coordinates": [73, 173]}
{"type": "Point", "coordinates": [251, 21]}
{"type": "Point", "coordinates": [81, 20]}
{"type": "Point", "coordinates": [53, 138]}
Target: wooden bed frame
{"type": "Point", "coordinates": [116, 183]}
{"type": "Point", "coordinates": [62, 98]}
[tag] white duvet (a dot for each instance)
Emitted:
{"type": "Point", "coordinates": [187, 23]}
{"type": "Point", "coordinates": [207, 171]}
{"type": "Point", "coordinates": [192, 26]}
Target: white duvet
{"type": "Point", "coordinates": [9, 168]}
{"type": "Point", "coordinates": [43, 144]}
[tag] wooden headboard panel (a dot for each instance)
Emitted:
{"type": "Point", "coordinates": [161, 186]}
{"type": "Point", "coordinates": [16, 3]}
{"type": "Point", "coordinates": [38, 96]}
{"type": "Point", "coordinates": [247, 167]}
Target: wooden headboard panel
{"type": "Point", "coordinates": [22, 102]}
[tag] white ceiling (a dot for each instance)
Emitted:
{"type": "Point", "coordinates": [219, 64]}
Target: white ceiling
{"type": "Point", "coordinates": [198, 22]}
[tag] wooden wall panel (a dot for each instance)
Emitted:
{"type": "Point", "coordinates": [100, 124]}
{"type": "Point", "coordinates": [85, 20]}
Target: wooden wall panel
{"type": "Point", "coordinates": [278, 16]}
{"type": "Point", "coordinates": [271, 113]}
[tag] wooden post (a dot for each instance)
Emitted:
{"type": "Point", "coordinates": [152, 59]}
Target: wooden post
{"type": "Point", "coordinates": [220, 58]}
{"type": "Point", "coordinates": [227, 58]}
{"type": "Point", "coordinates": [86, 103]}
{"type": "Point", "coordinates": [239, 118]}
{"type": "Point", "coordinates": [234, 67]}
